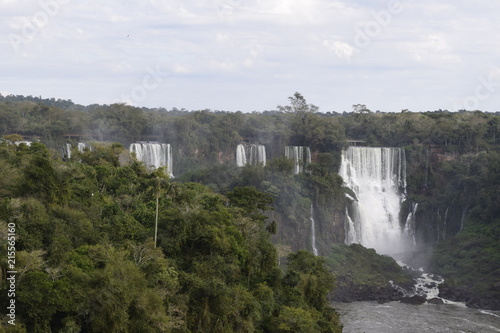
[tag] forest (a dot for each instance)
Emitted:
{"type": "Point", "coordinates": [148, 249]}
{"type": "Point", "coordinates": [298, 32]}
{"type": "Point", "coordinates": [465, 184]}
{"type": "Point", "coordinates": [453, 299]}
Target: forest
{"type": "Point", "coordinates": [232, 252]}
{"type": "Point", "coordinates": [87, 258]}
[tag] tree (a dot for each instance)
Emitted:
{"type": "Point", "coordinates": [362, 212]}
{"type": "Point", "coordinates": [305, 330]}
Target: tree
{"type": "Point", "coordinates": [298, 104]}
{"type": "Point", "coordinates": [253, 202]}
{"type": "Point", "coordinates": [360, 108]}
{"type": "Point", "coordinates": [308, 274]}
{"type": "Point", "coordinates": [13, 137]}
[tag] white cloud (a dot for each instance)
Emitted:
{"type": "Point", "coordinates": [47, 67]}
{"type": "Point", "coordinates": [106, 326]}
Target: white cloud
{"type": "Point", "coordinates": [246, 54]}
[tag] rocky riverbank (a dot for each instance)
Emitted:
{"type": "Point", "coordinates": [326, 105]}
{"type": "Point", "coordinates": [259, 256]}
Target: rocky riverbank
{"type": "Point", "coordinates": [486, 301]}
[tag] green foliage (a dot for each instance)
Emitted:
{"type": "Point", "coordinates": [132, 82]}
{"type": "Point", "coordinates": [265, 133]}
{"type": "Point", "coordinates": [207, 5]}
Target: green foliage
{"type": "Point", "coordinates": [281, 165]}
{"type": "Point", "coordinates": [293, 319]}
{"type": "Point", "coordinates": [87, 260]}
{"type": "Point", "coordinates": [251, 201]}
{"type": "Point", "coordinates": [308, 275]}
{"type": "Point", "coordinates": [305, 288]}
{"type": "Point", "coordinates": [13, 137]}
{"type": "Point", "coordinates": [469, 261]}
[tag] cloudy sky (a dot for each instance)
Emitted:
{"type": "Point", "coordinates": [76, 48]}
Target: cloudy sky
{"type": "Point", "coordinates": [250, 55]}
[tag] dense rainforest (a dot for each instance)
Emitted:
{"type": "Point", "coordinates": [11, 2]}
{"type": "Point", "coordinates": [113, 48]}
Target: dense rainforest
{"type": "Point", "coordinates": [88, 258]}
{"type": "Point", "coordinates": [229, 240]}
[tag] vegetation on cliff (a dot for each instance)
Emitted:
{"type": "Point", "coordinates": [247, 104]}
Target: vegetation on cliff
{"type": "Point", "coordinates": [471, 260]}
{"type": "Point", "coordinates": [361, 274]}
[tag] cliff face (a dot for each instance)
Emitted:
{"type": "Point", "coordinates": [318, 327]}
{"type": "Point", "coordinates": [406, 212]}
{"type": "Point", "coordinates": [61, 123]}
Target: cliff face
{"type": "Point", "coordinates": [294, 226]}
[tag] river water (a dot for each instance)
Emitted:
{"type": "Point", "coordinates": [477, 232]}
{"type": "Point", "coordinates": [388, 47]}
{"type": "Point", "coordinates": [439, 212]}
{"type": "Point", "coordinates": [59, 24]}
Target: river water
{"type": "Point", "coordinates": [395, 317]}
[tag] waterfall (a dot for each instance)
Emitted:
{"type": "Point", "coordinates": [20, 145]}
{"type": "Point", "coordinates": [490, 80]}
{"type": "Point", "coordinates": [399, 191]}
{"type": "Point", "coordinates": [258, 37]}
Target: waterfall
{"type": "Point", "coordinates": [27, 143]}
{"type": "Point", "coordinates": [313, 232]}
{"type": "Point", "coordinates": [154, 155]}
{"type": "Point", "coordinates": [82, 146]}
{"type": "Point", "coordinates": [352, 230]}
{"type": "Point", "coordinates": [409, 230]}
{"type": "Point", "coordinates": [68, 150]}
{"type": "Point", "coordinates": [377, 176]}
{"type": "Point", "coordinates": [300, 155]}
{"type": "Point", "coordinates": [241, 158]}
{"type": "Point", "coordinates": [464, 215]}
{"type": "Point", "coordinates": [251, 154]}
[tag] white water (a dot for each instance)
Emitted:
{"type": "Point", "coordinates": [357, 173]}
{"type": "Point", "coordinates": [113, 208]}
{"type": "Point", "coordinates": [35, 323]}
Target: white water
{"type": "Point", "coordinates": [409, 230]}
{"type": "Point", "coordinates": [251, 154]}
{"type": "Point", "coordinates": [68, 150]}
{"type": "Point", "coordinates": [351, 236]}
{"type": "Point", "coordinates": [27, 143]}
{"type": "Point", "coordinates": [82, 145]}
{"type": "Point", "coordinates": [377, 176]}
{"type": "Point", "coordinates": [81, 148]}
{"type": "Point", "coordinates": [153, 154]}
{"type": "Point", "coordinates": [428, 285]}
{"type": "Point", "coordinates": [300, 155]}
{"type": "Point", "coordinates": [241, 157]}
{"type": "Point", "coordinates": [313, 233]}
{"type": "Point", "coordinates": [393, 317]}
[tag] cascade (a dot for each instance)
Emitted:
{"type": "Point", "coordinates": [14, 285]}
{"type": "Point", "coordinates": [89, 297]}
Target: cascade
{"type": "Point", "coordinates": [153, 154]}
{"type": "Point", "coordinates": [426, 284]}
{"type": "Point", "coordinates": [68, 150]}
{"type": "Point", "coordinates": [27, 143]}
{"type": "Point", "coordinates": [313, 232]}
{"type": "Point", "coordinates": [409, 230]}
{"type": "Point", "coordinates": [82, 146]}
{"type": "Point", "coordinates": [377, 176]}
{"type": "Point", "coordinates": [241, 157]}
{"type": "Point", "coordinates": [464, 215]}
{"type": "Point", "coordinates": [252, 154]}
{"type": "Point", "coordinates": [352, 230]}
{"type": "Point", "coordinates": [300, 155]}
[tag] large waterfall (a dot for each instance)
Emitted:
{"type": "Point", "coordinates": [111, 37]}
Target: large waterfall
{"type": "Point", "coordinates": [153, 154]}
{"type": "Point", "coordinates": [251, 154]}
{"type": "Point", "coordinates": [377, 176]}
{"type": "Point", "coordinates": [301, 157]}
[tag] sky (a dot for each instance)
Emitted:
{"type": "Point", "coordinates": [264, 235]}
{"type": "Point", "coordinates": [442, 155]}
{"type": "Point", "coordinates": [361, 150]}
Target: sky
{"type": "Point", "coordinates": [251, 55]}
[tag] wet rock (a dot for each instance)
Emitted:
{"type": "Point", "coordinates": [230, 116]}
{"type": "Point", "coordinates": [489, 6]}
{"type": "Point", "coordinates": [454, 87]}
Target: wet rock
{"type": "Point", "coordinates": [487, 301]}
{"type": "Point", "coordinates": [452, 294]}
{"type": "Point", "coordinates": [435, 301]}
{"type": "Point", "coordinates": [350, 292]}
{"type": "Point", "coordinates": [416, 300]}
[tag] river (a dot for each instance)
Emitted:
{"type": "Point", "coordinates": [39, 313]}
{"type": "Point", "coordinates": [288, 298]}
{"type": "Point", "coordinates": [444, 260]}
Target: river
{"type": "Point", "coordinates": [395, 317]}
